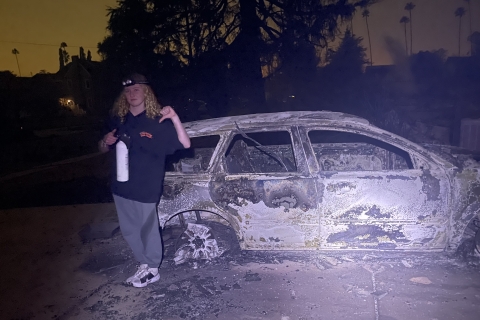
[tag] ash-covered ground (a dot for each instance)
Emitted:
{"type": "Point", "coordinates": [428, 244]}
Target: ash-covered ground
{"type": "Point", "coordinates": [55, 266]}
{"type": "Point", "coordinates": [52, 271]}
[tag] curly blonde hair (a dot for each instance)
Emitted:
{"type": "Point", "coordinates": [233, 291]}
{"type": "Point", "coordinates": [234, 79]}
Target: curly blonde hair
{"type": "Point", "coordinates": [152, 106]}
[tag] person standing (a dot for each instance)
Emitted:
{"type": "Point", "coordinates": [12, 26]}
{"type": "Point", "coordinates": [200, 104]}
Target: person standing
{"type": "Point", "coordinates": [153, 133]}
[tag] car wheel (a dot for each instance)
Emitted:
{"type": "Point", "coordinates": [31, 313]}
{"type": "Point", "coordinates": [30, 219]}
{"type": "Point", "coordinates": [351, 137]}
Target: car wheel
{"type": "Point", "coordinates": [197, 243]}
{"type": "Point", "coordinates": [470, 246]}
{"type": "Point", "coordinates": [203, 241]}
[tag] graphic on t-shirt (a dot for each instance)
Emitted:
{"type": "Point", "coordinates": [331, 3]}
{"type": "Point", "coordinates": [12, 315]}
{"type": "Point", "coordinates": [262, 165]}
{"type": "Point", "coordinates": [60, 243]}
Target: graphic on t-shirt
{"type": "Point", "coordinates": [146, 134]}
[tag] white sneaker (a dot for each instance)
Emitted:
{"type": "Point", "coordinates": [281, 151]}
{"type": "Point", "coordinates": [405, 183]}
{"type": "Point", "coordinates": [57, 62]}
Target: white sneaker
{"type": "Point", "coordinates": [146, 276]}
{"type": "Point", "coordinates": [140, 268]}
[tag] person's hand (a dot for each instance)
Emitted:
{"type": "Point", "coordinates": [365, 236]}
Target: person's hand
{"type": "Point", "coordinates": [167, 113]}
{"type": "Point", "coordinates": [110, 138]}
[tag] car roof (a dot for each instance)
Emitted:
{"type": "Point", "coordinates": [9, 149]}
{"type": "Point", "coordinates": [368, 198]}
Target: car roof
{"type": "Point", "coordinates": [292, 118]}
{"type": "Point", "coordinates": [270, 119]}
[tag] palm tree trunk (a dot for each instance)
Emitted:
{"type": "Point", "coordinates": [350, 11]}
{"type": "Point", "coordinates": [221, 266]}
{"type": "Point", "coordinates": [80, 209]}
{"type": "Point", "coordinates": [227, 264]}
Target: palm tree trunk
{"type": "Point", "coordinates": [470, 33]}
{"type": "Point", "coordinates": [18, 65]}
{"type": "Point", "coordinates": [411, 34]}
{"type": "Point", "coordinates": [459, 34]}
{"type": "Point", "coordinates": [406, 45]}
{"type": "Point", "coordinates": [369, 42]}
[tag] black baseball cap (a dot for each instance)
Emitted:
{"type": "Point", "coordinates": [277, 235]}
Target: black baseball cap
{"type": "Point", "coordinates": [133, 79]}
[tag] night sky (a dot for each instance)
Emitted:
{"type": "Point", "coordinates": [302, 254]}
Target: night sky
{"type": "Point", "coordinates": [83, 23]}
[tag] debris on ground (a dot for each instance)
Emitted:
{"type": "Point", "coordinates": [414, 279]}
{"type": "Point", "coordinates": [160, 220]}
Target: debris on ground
{"type": "Point", "coordinates": [369, 257]}
{"type": "Point", "coordinates": [379, 294]}
{"type": "Point", "coordinates": [330, 260]}
{"type": "Point", "coordinates": [406, 264]}
{"type": "Point", "coordinates": [422, 280]}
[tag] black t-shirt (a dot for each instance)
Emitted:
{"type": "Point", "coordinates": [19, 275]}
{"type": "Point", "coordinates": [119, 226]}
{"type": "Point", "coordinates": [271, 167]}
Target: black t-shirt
{"type": "Point", "coordinates": [150, 143]}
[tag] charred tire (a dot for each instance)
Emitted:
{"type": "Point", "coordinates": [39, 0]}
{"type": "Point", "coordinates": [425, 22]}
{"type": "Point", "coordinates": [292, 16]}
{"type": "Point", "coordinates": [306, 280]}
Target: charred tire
{"type": "Point", "coordinates": [204, 240]}
{"type": "Point", "coordinates": [470, 246]}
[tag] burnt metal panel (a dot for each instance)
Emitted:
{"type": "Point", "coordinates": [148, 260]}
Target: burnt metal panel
{"type": "Point", "coordinates": [307, 150]}
{"type": "Point", "coordinates": [352, 198]}
{"type": "Point", "coordinates": [384, 236]}
{"type": "Point", "coordinates": [301, 152]}
{"type": "Point", "coordinates": [182, 195]}
{"type": "Point", "coordinates": [270, 207]}
{"type": "Point", "coordinates": [465, 205]}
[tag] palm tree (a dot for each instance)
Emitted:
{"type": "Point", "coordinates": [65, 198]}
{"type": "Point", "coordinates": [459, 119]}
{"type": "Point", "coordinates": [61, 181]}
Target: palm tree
{"type": "Point", "coordinates": [405, 20]}
{"type": "Point", "coordinates": [366, 14]}
{"type": "Point", "coordinates": [16, 53]}
{"type": "Point", "coordinates": [470, 18]}
{"type": "Point", "coordinates": [460, 12]}
{"type": "Point", "coordinates": [409, 7]}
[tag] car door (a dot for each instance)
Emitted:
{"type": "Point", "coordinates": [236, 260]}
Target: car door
{"type": "Point", "coordinates": [264, 183]}
{"type": "Point", "coordinates": [373, 196]}
{"type": "Point", "coordinates": [188, 172]}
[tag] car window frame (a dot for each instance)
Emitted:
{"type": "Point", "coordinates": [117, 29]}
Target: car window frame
{"type": "Point", "coordinates": [300, 170]}
{"type": "Point", "coordinates": [213, 160]}
{"type": "Point", "coordinates": [415, 158]}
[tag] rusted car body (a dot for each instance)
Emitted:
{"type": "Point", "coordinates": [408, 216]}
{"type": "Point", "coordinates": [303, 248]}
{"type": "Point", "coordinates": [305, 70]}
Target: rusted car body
{"type": "Point", "coordinates": [320, 181]}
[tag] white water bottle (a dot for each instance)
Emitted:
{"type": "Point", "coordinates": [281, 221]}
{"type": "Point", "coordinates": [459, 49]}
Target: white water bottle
{"type": "Point", "coordinates": [122, 157]}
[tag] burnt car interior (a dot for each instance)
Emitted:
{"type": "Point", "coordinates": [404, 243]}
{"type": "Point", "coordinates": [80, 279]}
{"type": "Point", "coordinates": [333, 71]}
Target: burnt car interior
{"type": "Point", "coordinates": [196, 159]}
{"type": "Point", "coordinates": [345, 151]}
{"type": "Point", "coordinates": [270, 152]}
{"type": "Point", "coordinates": [260, 152]}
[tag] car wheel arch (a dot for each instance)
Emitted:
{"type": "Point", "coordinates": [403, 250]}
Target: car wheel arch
{"type": "Point", "coordinates": [460, 225]}
{"type": "Point", "coordinates": [226, 219]}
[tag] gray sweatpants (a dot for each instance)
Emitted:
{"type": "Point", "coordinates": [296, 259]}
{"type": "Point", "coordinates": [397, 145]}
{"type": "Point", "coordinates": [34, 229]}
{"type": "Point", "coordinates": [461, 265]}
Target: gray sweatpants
{"type": "Point", "coordinates": [140, 228]}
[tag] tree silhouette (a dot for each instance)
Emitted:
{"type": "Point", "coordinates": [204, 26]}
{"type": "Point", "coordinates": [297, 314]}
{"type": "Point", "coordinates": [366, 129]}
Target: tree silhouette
{"type": "Point", "coordinates": [405, 20]}
{"type": "Point", "coordinates": [60, 58]}
{"type": "Point", "coordinates": [349, 19]}
{"type": "Point", "coordinates": [192, 28]}
{"type": "Point", "coordinates": [348, 59]}
{"type": "Point", "coordinates": [16, 53]}
{"type": "Point", "coordinates": [409, 7]}
{"type": "Point", "coordinates": [366, 14]}
{"type": "Point", "coordinates": [64, 57]}
{"type": "Point", "coordinates": [470, 29]}
{"type": "Point", "coordinates": [427, 67]}
{"type": "Point", "coordinates": [341, 79]}
{"type": "Point", "coordinates": [460, 12]}
{"type": "Point", "coordinates": [233, 37]}
{"type": "Point", "coordinates": [475, 41]}
{"type": "Point", "coordinates": [350, 28]}
{"type": "Point", "coordinates": [82, 54]}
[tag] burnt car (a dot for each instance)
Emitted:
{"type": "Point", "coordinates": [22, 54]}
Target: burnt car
{"type": "Point", "coordinates": [319, 181]}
